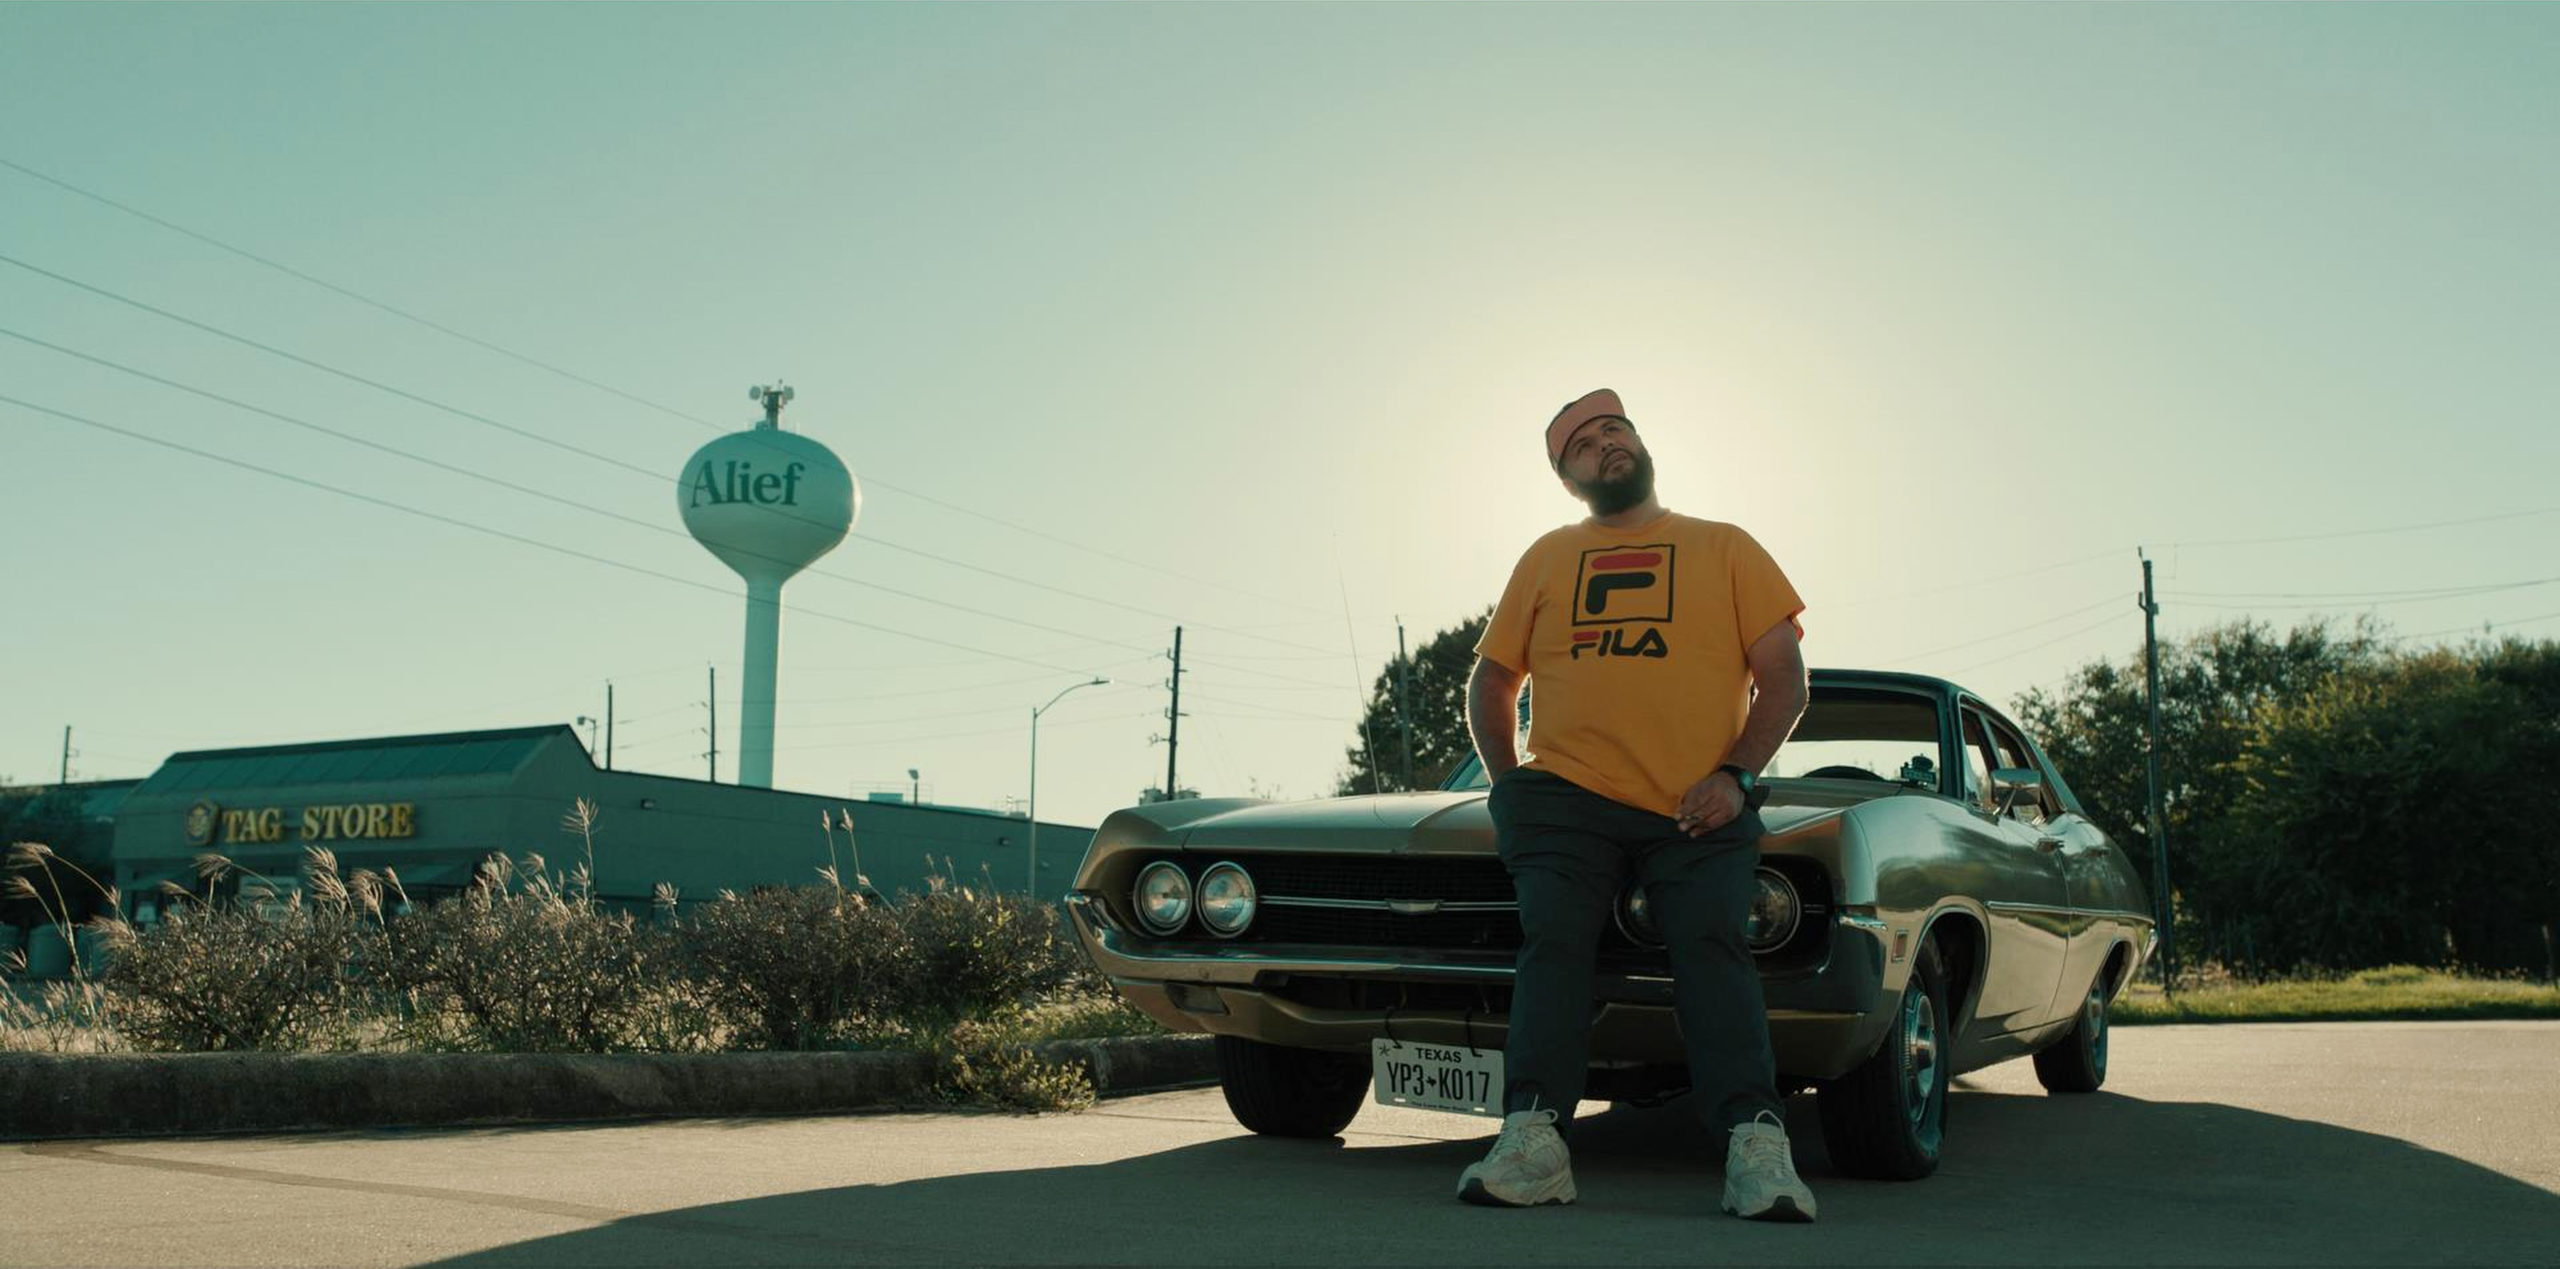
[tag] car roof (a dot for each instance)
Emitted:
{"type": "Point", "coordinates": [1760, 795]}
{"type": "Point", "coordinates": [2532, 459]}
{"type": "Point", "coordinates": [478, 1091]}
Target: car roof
{"type": "Point", "coordinates": [1836, 677]}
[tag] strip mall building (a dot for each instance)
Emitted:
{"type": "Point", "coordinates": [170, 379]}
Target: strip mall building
{"type": "Point", "coordinates": [432, 808]}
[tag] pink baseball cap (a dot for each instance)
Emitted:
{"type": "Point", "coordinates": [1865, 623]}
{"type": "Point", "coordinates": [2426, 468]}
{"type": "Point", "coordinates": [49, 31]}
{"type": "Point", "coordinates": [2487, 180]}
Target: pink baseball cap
{"type": "Point", "coordinates": [1590, 408]}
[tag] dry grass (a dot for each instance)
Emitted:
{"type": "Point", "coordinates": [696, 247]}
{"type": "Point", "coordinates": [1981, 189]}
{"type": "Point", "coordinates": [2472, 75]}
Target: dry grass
{"type": "Point", "coordinates": [56, 1017]}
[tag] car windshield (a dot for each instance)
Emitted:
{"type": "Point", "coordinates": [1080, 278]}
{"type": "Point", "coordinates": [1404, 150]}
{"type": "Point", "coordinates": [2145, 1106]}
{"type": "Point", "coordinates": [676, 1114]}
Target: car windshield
{"type": "Point", "coordinates": [1847, 734]}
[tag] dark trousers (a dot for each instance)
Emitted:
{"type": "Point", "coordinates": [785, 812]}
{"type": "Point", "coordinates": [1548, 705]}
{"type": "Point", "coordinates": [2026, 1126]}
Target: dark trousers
{"type": "Point", "coordinates": [1570, 852]}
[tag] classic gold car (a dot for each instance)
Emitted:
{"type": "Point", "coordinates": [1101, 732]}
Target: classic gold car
{"type": "Point", "coordinates": [1932, 900]}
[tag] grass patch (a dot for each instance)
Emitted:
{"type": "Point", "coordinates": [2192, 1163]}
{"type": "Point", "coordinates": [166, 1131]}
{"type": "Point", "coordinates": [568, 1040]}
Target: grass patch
{"type": "Point", "coordinates": [2392, 993]}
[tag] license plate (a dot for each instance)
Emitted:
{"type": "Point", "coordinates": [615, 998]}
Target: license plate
{"type": "Point", "coordinates": [1438, 1077]}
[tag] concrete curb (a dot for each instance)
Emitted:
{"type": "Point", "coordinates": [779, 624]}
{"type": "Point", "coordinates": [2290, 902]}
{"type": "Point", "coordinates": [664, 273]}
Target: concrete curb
{"type": "Point", "coordinates": [152, 1095]}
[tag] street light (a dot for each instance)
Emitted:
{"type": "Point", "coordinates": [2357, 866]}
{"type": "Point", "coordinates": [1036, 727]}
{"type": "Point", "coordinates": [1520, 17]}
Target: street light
{"type": "Point", "coordinates": [590, 725]}
{"type": "Point", "coordinates": [1031, 885]}
{"type": "Point", "coordinates": [915, 787]}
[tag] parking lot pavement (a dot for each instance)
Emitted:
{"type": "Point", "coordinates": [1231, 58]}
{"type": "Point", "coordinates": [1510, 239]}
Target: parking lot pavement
{"type": "Point", "coordinates": [2306, 1143]}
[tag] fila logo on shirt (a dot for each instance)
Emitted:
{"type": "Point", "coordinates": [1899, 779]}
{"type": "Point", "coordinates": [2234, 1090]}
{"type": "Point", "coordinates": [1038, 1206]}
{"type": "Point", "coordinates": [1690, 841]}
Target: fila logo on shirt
{"type": "Point", "coordinates": [1619, 592]}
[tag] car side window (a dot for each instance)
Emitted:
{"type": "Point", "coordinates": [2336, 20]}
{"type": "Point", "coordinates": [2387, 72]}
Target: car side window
{"type": "Point", "coordinates": [1977, 760]}
{"type": "Point", "coordinates": [2039, 805]}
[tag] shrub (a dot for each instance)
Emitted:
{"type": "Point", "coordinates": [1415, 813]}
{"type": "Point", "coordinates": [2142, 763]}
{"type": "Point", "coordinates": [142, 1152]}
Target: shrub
{"type": "Point", "coordinates": [978, 952]}
{"type": "Point", "coordinates": [515, 965]}
{"type": "Point", "coordinates": [791, 968]}
{"type": "Point", "coordinates": [252, 972]}
{"type": "Point", "coordinates": [989, 1063]}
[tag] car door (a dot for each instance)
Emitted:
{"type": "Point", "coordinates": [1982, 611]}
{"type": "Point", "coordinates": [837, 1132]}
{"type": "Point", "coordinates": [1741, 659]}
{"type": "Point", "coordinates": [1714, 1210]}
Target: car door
{"type": "Point", "coordinates": [2109, 905]}
{"type": "Point", "coordinates": [2021, 890]}
{"type": "Point", "coordinates": [2075, 847]}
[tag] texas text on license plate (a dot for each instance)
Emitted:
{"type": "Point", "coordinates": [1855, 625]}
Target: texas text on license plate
{"type": "Point", "coordinates": [1438, 1077]}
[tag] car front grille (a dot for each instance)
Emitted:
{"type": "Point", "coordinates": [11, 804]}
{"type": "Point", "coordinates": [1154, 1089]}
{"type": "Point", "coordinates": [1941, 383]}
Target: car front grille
{"type": "Point", "coordinates": [1453, 903]}
{"type": "Point", "coordinates": [1458, 879]}
{"type": "Point", "coordinates": [1457, 931]}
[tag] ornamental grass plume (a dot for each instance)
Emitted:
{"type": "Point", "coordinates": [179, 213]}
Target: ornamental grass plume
{"type": "Point", "coordinates": [581, 820]}
{"type": "Point", "coordinates": [58, 1016]}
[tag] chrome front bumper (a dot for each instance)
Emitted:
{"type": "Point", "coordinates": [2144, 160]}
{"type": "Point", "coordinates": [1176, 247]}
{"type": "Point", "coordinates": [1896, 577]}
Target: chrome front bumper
{"type": "Point", "coordinates": [1821, 1022]}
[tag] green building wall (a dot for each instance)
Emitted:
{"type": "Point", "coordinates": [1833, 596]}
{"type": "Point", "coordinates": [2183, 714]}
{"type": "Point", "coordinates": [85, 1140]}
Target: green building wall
{"type": "Point", "coordinates": [471, 794]}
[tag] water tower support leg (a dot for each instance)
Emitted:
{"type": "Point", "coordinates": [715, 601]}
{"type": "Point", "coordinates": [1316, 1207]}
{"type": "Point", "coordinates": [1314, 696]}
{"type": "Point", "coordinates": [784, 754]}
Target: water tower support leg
{"type": "Point", "coordinates": [755, 696]}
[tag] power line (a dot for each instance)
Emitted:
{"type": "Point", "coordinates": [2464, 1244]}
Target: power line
{"type": "Point", "coordinates": [557, 499]}
{"type": "Point", "coordinates": [1922, 656]}
{"type": "Point", "coordinates": [1981, 582]}
{"type": "Point", "coordinates": [2035, 647]}
{"type": "Point", "coordinates": [956, 713]}
{"type": "Point", "coordinates": [2203, 544]}
{"type": "Point", "coordinates": [537, 437]}
{"type": "Point", "coordinates": [503, 534]}
{"type": "Point", "coordinates": [324, 368]}
{"type": "Point", "coordinates": [572, 376]}
{"type": "Point", "coordinates": [958, 735]}
{"type": "Point", "coordinates": [1267, 711]}
{"type": "Point", "coordinates": [2423, 592]}
{"type": "Point", "coordinates": [945, 691]}
{"type": "Point", "coordinates": [2424, 597]}
{"type": "Point", "coordinates": [2363, 533]}
{"type": "Point", "coordinates": [2484, 628]}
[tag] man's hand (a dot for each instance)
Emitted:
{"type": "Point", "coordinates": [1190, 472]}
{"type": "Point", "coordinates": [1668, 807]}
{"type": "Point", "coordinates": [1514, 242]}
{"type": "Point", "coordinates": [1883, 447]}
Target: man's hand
{"type": "Point", "coordinates": [1493, 715]}
{"type": "Point", "coordinates": [1710, 804]}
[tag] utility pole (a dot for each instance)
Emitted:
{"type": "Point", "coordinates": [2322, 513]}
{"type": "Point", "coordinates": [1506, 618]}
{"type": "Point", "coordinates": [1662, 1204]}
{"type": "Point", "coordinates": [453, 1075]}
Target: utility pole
{"type": "Point", "coordinates": [711, 701]}
{"type": "Point", "coordinates": [1404, 724]}
{"type": "Point", "coordinates": [2167, 913]}
{"type": "Point", "coordinates": [66, 753]}
{"type": "Point", "coordinates": [1173, 720]}
{"type": "Point", "coordinates": [608, 724]}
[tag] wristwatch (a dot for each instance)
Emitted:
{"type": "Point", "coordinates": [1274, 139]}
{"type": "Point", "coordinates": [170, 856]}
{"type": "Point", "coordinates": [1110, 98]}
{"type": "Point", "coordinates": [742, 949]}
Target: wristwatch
{"type": "Point", "coordinates": [1748, 781]}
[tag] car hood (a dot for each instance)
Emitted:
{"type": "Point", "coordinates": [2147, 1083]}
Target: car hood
{"type": "Point", "coordinates": [1433, 823]}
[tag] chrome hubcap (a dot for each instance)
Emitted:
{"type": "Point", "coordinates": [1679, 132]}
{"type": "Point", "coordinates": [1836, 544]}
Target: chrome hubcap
{"type": "Point", "coordinates": [1919, 1053]}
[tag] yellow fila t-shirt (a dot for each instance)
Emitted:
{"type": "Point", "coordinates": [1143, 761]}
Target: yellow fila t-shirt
{"type": "Point", "coordinates": [1634, 643]}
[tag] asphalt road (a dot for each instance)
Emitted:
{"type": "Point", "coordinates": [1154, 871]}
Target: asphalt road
{"type": "Point", "coordinates": [2330, 1143]}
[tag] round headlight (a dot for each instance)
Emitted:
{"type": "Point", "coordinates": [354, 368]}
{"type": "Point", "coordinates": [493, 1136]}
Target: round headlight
{"type": "Point", "coordinates": [1775, 910]}
{"type": "Point", "coordinates": [1163, 897]}
{"type": "Point", "coordinates": [1635, 920]}
{"type": "Point", "coordinates": [1226, 900]}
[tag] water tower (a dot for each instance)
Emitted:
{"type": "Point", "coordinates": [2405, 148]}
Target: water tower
{"type": "Point", "coordinates": [768, 503]}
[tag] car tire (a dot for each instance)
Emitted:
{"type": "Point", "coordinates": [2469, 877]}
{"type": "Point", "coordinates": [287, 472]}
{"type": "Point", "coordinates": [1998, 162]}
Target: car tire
{"type": "Point", "coordinates": [1283, 1092]}
{"type": "Point", "coordinates": [2077, 1063]}
{"type": "Point", "coordinates": [1887, 1118]}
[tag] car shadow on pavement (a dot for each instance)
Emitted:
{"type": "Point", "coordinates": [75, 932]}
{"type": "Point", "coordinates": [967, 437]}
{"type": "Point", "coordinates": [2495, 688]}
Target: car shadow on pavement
{"type": "Point", "coordinates": [2029, 1179]}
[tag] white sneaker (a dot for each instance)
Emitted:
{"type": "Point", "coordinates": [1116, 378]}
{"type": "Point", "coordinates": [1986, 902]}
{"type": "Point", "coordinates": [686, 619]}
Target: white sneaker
{"type": "Point", "coordinates": [1528, 1166]}
{"type": "Point", "coordinates": [1760, 1181]}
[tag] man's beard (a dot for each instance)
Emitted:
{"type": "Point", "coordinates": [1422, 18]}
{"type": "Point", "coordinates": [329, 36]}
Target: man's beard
{"type": "Point", "coordinates": [1610, 495]}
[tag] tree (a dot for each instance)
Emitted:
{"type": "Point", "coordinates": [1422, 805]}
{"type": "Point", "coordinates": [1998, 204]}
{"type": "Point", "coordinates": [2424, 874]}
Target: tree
{"type": "Point", "coordinates": [2211, 686]}
{"type": "Point", "coordinates": [2332, 803]}
{"type": "Point", "coordinates": [2398, 813]}
{"type": "Point", "coordinates": [1435, 693]}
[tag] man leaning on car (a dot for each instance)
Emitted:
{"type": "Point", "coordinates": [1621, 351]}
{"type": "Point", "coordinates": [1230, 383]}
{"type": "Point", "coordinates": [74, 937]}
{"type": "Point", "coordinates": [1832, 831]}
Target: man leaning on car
{"type": "Point", "coordinates": [1645, 632]}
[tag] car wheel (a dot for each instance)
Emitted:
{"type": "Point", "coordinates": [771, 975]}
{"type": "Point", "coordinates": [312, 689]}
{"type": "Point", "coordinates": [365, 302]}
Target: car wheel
{"type": "Point", "coordinates": [1284, 1092]}
{"type": "Point", "coordinates": [1886, 1118]}
{"type": "Point", "coordinates": [2077, 1063]}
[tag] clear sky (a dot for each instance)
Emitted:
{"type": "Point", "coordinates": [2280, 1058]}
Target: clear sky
{"type": "Point", "coordinates": [1270, 303]}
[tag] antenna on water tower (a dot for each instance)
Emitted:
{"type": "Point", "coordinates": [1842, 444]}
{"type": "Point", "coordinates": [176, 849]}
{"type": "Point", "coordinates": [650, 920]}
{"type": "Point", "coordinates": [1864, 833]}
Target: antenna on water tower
{"type": "Point", "coordinates": [767, 503]}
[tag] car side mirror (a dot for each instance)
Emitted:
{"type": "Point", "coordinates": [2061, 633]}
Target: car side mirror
{"type": "Point", "coordinates": [2016, 784]}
